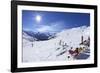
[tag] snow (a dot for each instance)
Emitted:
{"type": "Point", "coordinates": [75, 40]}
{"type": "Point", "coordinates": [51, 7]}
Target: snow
{"type": "Point", "coordinates": [55, 48]}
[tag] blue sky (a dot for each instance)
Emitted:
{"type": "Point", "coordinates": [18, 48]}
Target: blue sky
{"type": "Point", "coordinates": [43, 21]}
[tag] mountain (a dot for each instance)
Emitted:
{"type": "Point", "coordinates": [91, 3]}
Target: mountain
{"type": "Point", "coordinates": [28, 37]}
{"type": "Point", "coordinates": [56, 49]}
{"type": "Point", "coordinates": [38, 35]}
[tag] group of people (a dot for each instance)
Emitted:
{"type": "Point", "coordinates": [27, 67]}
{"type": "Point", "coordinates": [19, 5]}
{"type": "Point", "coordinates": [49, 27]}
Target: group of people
{"type": "Point", "coordinates": [78, 50]}
{"type": "Point", "coordinates": [74, 51]}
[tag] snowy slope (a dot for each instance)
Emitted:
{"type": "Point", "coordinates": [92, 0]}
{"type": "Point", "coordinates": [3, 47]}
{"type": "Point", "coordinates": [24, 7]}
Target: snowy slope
{"type": "Point", "coordinates": [55, 49]}
{"type": "Point", "coordinates": [28, 37]}
{"type": "Point", "coordinates": [73, 36]}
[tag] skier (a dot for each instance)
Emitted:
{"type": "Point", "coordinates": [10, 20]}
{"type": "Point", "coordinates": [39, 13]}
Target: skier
{"type": "Point", "coordinates": [71, 51]}
{"type": "Point", "coordinates": [81, 40]}
{"type": "Point", "coordinates": [32, 44]}
{"type": "Point", "coordinates": [60, 42]}
{"type": "Point", "coordinates": [76, 52]}
{"type": "Point", "coordinates": [88, 41]}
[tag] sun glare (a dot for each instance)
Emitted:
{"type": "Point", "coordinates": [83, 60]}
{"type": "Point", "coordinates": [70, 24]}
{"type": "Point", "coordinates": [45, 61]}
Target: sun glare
{"type": "Point", "coordinates": [38, 18]}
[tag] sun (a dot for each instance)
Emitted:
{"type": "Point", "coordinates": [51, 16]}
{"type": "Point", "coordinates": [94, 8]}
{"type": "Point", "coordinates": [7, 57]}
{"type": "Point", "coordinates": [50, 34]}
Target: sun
{"type": "Point", "coordinates": [38, 18]}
